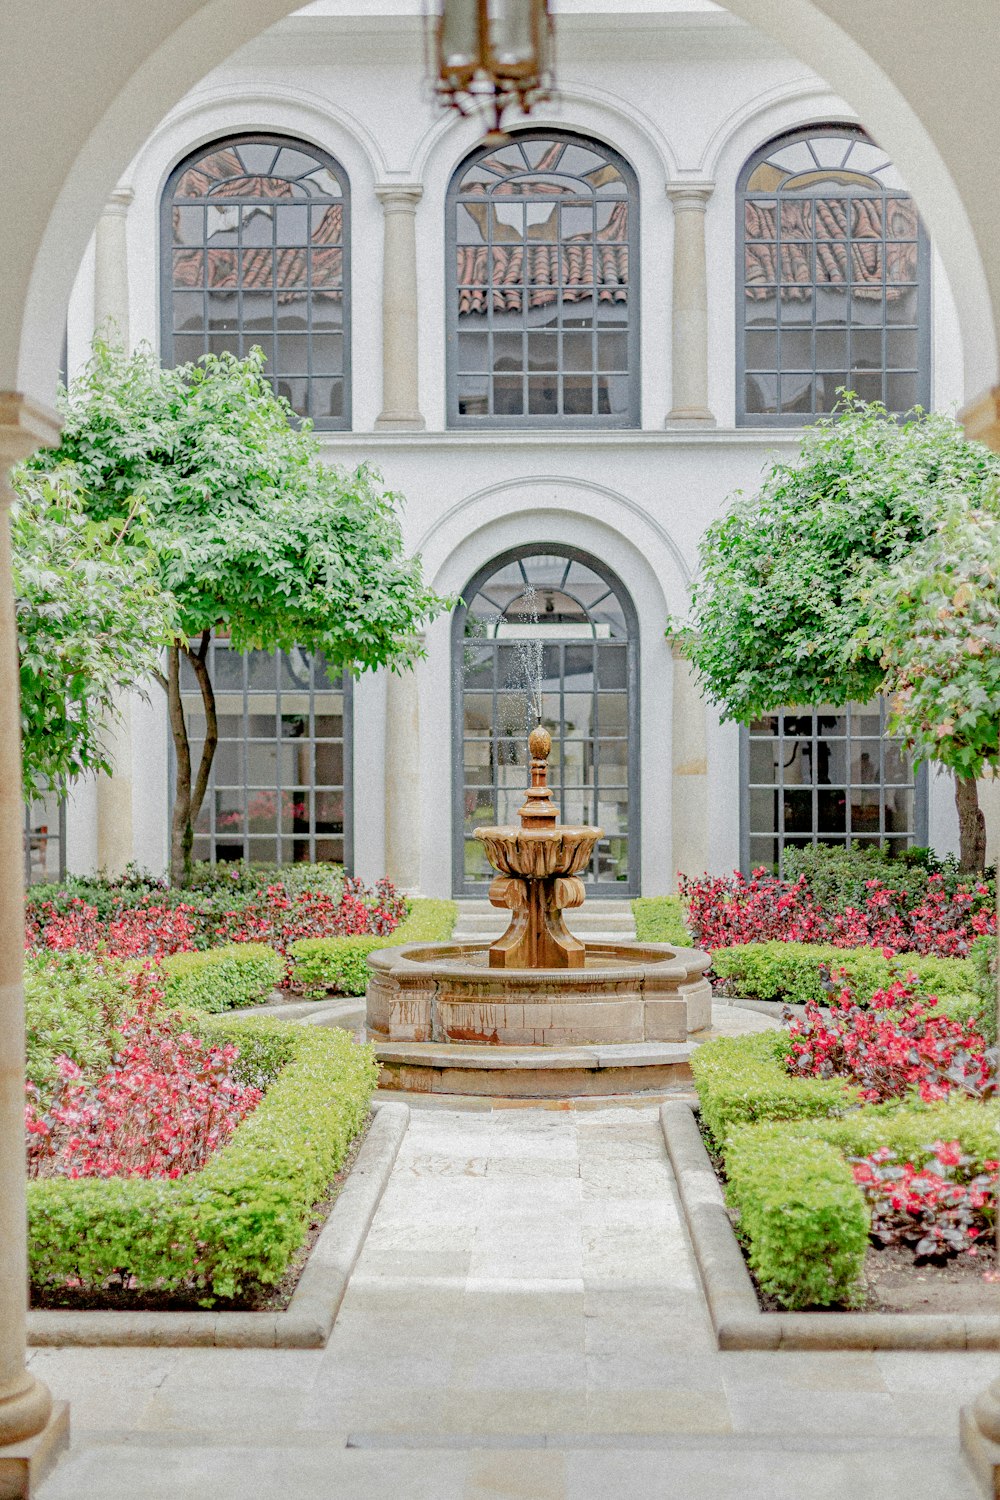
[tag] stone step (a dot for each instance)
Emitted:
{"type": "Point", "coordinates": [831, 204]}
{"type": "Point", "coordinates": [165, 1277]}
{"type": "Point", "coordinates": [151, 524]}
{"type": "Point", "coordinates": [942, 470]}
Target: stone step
{"type": "Point", "coordinates": [468, 905]}
{"type": "Point", "coordinates": [479, 1070]}
{"type": "Point", "coordinates": [598, 921]}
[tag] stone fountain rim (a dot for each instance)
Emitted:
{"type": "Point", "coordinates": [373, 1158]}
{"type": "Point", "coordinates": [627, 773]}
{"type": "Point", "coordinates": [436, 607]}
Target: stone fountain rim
{"type": "Point", "coordinates": [650, 958]}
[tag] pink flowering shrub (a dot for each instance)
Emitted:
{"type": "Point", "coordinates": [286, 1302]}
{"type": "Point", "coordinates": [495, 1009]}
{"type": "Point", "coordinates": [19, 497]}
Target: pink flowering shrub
{"type": "Point", "coordinates": [890, 1047]}
{"type": "Point", "coordinates": [724, 911]}
{"type": "Point", "coordinates": [938, 1210]}
{"type": "Point", "coordinates": [168, 1101]}
{"type": "Point", "coordinates": [274, 916]}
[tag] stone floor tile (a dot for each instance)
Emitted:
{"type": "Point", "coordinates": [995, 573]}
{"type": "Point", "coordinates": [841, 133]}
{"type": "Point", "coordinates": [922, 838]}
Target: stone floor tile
{"type": "Point", "coordinates": [835, 1370]}
{"type": "Point", "coordinates": [516, 1474]}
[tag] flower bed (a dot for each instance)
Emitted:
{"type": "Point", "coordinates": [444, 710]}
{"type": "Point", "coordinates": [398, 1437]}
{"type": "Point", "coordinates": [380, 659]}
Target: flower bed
{"type": "Point", "coordinates": [236, 1224]}
{"type": "Point", "coordinates": [729, 910]}
{"type": "Point", "coordinates": [801, 973]}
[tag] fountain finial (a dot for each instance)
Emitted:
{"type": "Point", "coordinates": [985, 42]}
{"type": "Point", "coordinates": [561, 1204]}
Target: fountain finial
{"type": "Point", "coordinates": [539, 811]}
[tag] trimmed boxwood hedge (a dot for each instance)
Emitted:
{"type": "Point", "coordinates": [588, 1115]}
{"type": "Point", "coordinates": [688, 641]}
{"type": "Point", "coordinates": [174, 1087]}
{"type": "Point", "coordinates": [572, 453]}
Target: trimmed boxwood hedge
{"type": "Point", "coordinates": [803, 1219]}
{"type": "Point", "coordinates": [660, 919]}
{"type": "Point", "coordinates": [741, 1080]}
{"type": "Point", "coordinates": [325, 964]}
{"type": "Point", "coordinates": [791, 973]}
{"type": "Point", "coordinates": [225, 978]}
{"type": "Point", "coordinates": [237, 1223]}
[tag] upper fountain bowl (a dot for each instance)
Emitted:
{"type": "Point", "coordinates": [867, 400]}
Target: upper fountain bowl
{"type": "Point", "coordinates": [539, 853]}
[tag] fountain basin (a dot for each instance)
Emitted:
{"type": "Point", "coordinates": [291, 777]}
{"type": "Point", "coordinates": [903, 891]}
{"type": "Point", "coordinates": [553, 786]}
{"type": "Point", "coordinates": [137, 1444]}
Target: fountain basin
{"type": "Point", "coordinates": [539, 853]}
{"type": "Point", "coordinates": [624, 992]}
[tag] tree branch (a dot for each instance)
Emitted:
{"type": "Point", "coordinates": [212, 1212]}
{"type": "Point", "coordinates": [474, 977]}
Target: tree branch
{"type": "Point", "coordinates": [197, 660]}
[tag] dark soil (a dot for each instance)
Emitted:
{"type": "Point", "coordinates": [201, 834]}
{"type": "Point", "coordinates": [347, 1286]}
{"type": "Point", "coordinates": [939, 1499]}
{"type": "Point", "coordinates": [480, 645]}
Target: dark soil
{"type": "Point", "coordinates": [119, 1296]}
{"type": "Point", "coordinates": [893, 1282]}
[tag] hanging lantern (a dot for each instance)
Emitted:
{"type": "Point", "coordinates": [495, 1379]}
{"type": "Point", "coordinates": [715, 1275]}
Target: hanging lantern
{"type": "Point", "coordinates": [492, 54]}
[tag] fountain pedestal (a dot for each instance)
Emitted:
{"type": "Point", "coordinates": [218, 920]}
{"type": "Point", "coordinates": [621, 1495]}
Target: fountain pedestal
{"type": "Point", "coordinates": [538, 1013]}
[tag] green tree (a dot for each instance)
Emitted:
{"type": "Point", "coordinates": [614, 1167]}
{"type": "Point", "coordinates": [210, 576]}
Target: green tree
{"type": "Point", "coordinates": [935, 621]}
{"type": "Point", "coordinates": [92, 620]}
{"type": "Point", "coordinates": [254, 535]}
{"type": "Point", "coordinates": [782, 601]}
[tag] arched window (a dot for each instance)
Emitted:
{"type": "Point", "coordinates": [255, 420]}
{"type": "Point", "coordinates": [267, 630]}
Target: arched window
{"type": "Point", "coordinates": [551, 631]}
{"type": "Point", "coordinates": [542, 288]}
{"type": "Point", "coordinates": [254, 251]}
{"type": "Point", "coordinates": [832, 280]}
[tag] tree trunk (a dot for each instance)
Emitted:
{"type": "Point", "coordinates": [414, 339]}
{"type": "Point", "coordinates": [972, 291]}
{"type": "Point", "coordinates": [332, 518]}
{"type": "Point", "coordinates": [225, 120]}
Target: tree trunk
{"type": "Point", "coordinates": [188, 797]}
{"type": "Point", "coordinates": [971, 825]}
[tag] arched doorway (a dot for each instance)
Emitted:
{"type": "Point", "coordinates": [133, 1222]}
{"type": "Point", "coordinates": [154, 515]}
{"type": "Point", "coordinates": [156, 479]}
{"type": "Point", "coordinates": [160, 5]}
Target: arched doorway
{"type": "Point", "coordinates": [547, 629]}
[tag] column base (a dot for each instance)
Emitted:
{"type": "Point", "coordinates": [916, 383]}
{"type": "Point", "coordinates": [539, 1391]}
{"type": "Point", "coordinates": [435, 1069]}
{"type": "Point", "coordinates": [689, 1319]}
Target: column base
{"type": "Point", "coordinates": [23, 1466]}
{"type": "Point", "coordinates": [689, 416]}
{"type": "Point", "coordinates": [389, 421]}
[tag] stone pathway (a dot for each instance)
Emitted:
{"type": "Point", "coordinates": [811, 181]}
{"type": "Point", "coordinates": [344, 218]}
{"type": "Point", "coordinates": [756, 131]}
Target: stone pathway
{"type": "Point", "coordinates": [524, 1322]}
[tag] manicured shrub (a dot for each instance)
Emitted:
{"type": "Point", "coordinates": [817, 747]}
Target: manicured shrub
{"type": "Point", "coordinates": [238, 1222]}
{"type": "Point", "coordinates": [322, 965]}
{"type": "Point", "coordinates": [741, 1080]}
{"type": "Point", "coordinates": [889, 1048]}
{"type": "Point", "coordinates": [984, 963]}
{"type": "Point", "coordinates": [800, 973]}
{"type": "Point", "coordinates": [838, 877]}
{"type": "Point", "coordinates": [224, 978]}
{"type": "Point", "coordinates": [73, 1004]}
{"type": "Point", "coordinates": [804, 1221]}
{"type": "Point", "coordinates": [660, 919]}
{"type": "Point", "coordinates": [792, 1184]}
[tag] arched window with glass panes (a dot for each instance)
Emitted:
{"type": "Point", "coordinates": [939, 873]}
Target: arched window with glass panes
{"type": "Point", "coordinates": [255, 252]}
{"type": "Point", "coordinates": [833, 280]}
{"type": "Point", "coordinates": [543, 326]}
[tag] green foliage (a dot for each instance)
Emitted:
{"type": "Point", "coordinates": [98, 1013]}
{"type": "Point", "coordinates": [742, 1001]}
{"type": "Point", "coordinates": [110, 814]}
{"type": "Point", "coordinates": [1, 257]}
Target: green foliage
{"type": "Point", "coordinates": [251, 531]}
{"type": "Point", "coordinates": [984, 964]}
{"type": "Point", "coordinates": [91, 622]}
{"type": "Point", "coordinates": [660, 919]}
{"type": "Point", "coordinates": [935, 623]}
{"type": "Point", "coordinates": [73, 1003]}
{"type": "Point", "coordinates": [741, 1080]}
{"type": "Point", "coordinates": [220, 1232]}
{"type": "Point", "coordinates": [837, 876]}
{"type": "Point", "coordinates": [237, 878]}
{"type": "Point", "coordinates": [325, 964]}
{"type": "Point", "coordinates": [793, 973]}
{"type": "Point", "coordinates": [782, 601]}
{"type": "Point", "coordinates": [225, 978]}
{"type": "Point", "coordinates": [805, 1223]}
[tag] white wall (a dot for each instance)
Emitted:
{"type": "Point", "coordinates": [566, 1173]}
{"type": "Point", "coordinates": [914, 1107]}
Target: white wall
{"type": "Point", "coordinates": [683, 96]}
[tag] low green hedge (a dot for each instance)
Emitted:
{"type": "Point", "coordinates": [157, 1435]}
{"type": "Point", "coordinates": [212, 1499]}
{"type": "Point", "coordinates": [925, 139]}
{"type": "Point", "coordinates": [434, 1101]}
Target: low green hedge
{"type": "Point", "coordinates": [803, 1219]}
{"type": "Point", "coordinates": [660, 919]}
{"type": "Point", "coordinates": [325, 964]}
{"type": "Point", "coordinates": [984, 964]}
{"type": "Point", "coordinates": [742, 1080]}
{"type": "Point", "coordinates": [225, 978]}
{"type": "Point", "coordinates": [791, 973]}
{"type": "Point", "coordinates": [238, 1222]}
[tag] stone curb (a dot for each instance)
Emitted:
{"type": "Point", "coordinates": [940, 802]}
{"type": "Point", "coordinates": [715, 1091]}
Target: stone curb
{"type": "Point", "coordinates": [736, 1316]}
{"type": "Point", "coordinates": [309, 1318]}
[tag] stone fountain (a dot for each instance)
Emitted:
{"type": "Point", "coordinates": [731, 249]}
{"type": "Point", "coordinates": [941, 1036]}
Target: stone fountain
{"type": "Point", "coordinates": [538, 1012]}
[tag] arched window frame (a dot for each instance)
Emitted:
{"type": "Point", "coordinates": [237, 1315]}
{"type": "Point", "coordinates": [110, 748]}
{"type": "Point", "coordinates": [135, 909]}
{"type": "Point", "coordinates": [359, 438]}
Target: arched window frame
{"type": "Point", "coordinates": [923, 280]}
{"type": "Point", "coordinates": [463, 887]}
{"type": "Point", "coordinates": [631, 417]}
{"type": "Point", "coordinates": [341, 423]}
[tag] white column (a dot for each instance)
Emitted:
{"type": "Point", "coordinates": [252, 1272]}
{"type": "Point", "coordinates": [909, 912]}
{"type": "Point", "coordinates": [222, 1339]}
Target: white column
{"type": "Point", "coordinates": [689, 779]}
{"type": "Point", "coordinates": [400, 375]}
{"type": "Point", "coordinates": [402, 780]}
{"type": "Point", "coordinates": [111, 298]}
{"type": "Point", "coordinates": [689, 330]}
{"type": "Point", "coordinates": [28, 1425]}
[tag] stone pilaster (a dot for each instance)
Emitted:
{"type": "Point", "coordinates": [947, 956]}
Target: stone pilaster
{"type": "Point", "coordinates": [27, 1421]}
{"type": "Point", "coordinates": [689, 328]}
{"type": "Point", "coordinates": [402, 780]}
{"type": "Point", "coordinates": [400, 373]}
{"type": "Point", "coordinates": [111, 318]}
{"type": "Point", "coordinates": [689, 773]}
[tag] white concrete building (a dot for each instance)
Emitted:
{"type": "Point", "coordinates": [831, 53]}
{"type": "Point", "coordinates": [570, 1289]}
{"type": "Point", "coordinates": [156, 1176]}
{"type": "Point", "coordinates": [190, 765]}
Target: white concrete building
{"type": "Point", "coordinates": [566, 353]}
